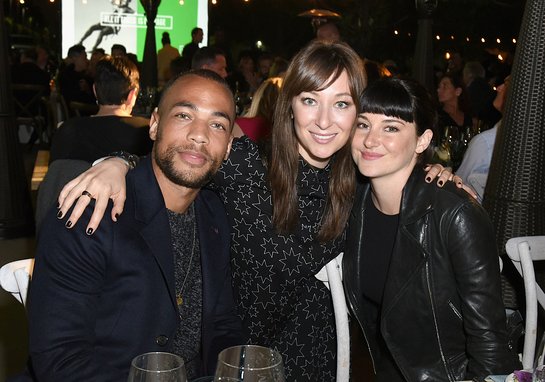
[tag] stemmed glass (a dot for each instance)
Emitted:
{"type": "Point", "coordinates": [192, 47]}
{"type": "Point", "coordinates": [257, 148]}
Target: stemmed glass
{"type": "Point", "coordinates": [157, 367]}
{"type": "Point", "coordinates": [249, 363]}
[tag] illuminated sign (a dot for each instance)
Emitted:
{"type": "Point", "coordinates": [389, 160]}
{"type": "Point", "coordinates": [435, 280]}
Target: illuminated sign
{"type": "Point", "coordinates": [102, 23]}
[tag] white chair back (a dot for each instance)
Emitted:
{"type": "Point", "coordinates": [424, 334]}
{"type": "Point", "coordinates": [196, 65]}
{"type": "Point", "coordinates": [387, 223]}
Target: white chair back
{"type": "Point", "coordinates": [523, 251]}
{"type": "Point", "coordinates": [15, 277]}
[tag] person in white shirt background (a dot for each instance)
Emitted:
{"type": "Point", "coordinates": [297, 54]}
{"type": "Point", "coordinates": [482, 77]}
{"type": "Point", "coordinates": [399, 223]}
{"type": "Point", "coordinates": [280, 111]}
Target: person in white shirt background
{"type": "Point", "coordinates": [476, 163]}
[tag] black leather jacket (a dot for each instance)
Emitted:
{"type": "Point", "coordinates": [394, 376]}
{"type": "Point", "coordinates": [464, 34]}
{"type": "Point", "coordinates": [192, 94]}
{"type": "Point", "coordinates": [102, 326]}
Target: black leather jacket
{"type": "Point", "coordinates": [442, 313]}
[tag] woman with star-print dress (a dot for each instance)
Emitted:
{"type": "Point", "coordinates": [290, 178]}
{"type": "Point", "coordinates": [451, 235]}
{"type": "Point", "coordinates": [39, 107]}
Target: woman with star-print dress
{"type": "Point", "coordinates": [288, 201]}
{"type": "Point", "coordinates": [281, 303]}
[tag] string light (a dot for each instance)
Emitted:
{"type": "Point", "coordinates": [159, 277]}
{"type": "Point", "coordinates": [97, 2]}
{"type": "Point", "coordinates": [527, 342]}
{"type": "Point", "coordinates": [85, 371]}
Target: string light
{"type": "Point", "coordinates": [214, 2]}
{"type": "Point", "coordinates": [451, 37]}
{"type": "Point", "coordinates": [182, 2]}
{"type": "Point", "coordinates": [498, 40]}
{"type": "Point", "coordinates": [483, 40]}
{"type": "Point", "coordinates": [396, 32]}
{"type": "Point", "coordinates": [447, 56]}
{"type": "Point", "coordinates": [514, 41]}
{"type": "Point", "coordinates": [437, 37]}
{"type": "Point", "coordinates": [21, 1]}
{"type": "Point", "coordinates": [467, 39]}
{"type": "Point", "coordinates": [500, 57]}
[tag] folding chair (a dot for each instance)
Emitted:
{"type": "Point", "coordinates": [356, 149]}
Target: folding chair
{"type": "Point", "coordinates": [15, 277]}
{"type": "Point", "coordinates": [523, 251]}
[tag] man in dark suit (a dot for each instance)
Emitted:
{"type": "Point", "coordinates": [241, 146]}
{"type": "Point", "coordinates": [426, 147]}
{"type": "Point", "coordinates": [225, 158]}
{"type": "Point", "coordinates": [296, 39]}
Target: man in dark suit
{"type": "Point", "coordinates": [158, 279]}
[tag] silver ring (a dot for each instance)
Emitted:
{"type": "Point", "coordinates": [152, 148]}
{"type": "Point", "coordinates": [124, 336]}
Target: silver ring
{"type": "Point", "coordinates": [87, 193]}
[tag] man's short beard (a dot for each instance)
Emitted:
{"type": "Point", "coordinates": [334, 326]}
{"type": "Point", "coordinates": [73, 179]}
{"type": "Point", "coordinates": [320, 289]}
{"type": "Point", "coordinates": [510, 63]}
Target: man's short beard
{"type": "Point", "coordinates": [165, 161]}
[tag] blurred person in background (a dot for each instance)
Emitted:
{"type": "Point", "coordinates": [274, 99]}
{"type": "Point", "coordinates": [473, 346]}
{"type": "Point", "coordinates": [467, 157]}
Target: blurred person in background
{"type": "Point", "coordinates": [328, 32]}
{"type": "Point", "coordinates": [212, 59]}
{"type": "Point", "coordinates": [113, 128]}
{"type": "Point", "coordinates": [257, 122]}
{"type": "Point", "coordinates": [480, 95]}
{"type": "Point", "coordinates": [165, 55]}
{"type": "Point", "coordinates": [476, 163]}
{"type": "Point", "coordinates": [191, 48]}
{"type": "Point", "coordinates": [75, 84]}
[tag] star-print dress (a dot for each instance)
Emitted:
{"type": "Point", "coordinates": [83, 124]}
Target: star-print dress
{"type": "Point", "coordinates": [282, 304]}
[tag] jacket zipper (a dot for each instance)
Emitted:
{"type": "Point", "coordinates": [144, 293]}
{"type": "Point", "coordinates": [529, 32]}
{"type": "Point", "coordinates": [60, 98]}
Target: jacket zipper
{"type": "Point", "coordinates": [435, 321]}
{"type": "Point", "coordinates": [364, 334]}
{"type": "Point", "coordinates": [456, 312]}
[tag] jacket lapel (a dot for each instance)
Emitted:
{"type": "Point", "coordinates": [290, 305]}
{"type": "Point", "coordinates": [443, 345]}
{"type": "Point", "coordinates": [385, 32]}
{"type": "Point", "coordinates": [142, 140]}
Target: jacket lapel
{"type": "Point", "coordinates": [150, 214]}
{"type": "Point", "coordinates": [409, 255]}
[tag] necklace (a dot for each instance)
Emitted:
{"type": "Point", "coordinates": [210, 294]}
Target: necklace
{"type": "Point", "coordinates": [179, 297]}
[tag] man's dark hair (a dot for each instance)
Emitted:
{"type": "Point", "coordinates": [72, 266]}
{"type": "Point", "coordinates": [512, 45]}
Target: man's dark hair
{"type": "Point", "coordinates": [203, 73]}
{"type": "Point", "coordinates": [76, 50]}
{"type": "Point", "coordinates": [115, 78]}
{"type": "Point", "coordinates": [99, 50]}
{"type": "Point", "coordinates": [119, 47]}
{"type": "Point", "coordinates": [205, 55]}
{"type": "Point", "coordinates": [166, 38]}
{"type": "Point", "coordinates": [195, 30]}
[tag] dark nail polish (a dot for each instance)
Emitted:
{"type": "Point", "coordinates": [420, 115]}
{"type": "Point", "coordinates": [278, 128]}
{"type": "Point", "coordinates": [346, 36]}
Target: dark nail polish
{"type": "Point", "coordinates": [59, 215]}
{"type": "Point", "coordinates": [440, 183]}
{"type": "Point", "coordinates": [89, 231]}
{"type": "Point", "coordinates": [428, 179]}
{"type": "Point", "coordinates": [58, 205]}
{"type": "Point", "coordinates": [68, 224]}
{"type": "Point", "coordinates": [116, 216]}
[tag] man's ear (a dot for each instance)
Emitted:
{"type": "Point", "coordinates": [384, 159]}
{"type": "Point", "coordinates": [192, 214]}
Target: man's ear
{"type": "Point", "coordinates": [424, 141]}
{"type": "Point", "coordinates": [154, 124]}
{"type": "Point", "coordinates": [131, 98]}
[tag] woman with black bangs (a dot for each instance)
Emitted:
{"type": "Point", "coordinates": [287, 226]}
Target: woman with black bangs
{"type": "Point", "coordinates": [421, 266]}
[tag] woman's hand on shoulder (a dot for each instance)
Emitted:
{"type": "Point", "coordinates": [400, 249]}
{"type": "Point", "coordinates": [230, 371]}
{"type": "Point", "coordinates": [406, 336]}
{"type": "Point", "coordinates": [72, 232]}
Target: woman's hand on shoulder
{"type": "Point", "coordinates": [104, 181]}
{"type": "Point", "coordinates": [445, 174]}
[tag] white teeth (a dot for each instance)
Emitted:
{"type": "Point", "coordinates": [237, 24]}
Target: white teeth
{"type": "Point", "coordinates": [323, 137]}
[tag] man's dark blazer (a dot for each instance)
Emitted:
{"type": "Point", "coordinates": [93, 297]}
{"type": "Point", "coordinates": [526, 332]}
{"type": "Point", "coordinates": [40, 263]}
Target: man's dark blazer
{"type": "Point", "coordinates": [98, 301]}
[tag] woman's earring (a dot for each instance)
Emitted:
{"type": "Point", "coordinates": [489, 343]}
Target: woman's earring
{"type": "Point", "coordinates": [291, 115]}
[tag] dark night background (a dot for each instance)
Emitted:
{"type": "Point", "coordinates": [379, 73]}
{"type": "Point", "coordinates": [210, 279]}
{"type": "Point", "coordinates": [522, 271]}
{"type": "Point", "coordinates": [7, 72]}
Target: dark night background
{"type": "Point", "coordinates": [367, 25]}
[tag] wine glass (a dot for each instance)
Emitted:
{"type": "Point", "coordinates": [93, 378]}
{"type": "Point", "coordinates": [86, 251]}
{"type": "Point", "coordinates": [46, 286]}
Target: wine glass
{"type": "Point", "coordinates": [157, 367]}
{"type": "Point", "coordinates": [249, 363]}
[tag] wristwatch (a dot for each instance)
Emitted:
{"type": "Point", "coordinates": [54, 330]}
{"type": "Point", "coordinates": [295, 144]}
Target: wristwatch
{"type": "Point", "coordinates": [130, 160]}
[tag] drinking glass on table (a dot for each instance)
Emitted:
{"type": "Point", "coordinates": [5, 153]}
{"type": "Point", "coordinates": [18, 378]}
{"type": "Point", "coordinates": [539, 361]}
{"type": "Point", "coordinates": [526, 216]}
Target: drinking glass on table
{"type": "Point", "coordinates": [249, 363]}
{"type": "Point", "coordinates": [157, 367]}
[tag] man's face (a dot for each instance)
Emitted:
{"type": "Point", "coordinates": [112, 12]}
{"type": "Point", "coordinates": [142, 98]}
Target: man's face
{"type": "Point", "coordinates": [199, 36]}
{"type": "Point", "coordinates": [81, 62]}
{"type": "Point", "coordinates": [192, 131]}
{"type": "Point", "coordinates": [219, 66]}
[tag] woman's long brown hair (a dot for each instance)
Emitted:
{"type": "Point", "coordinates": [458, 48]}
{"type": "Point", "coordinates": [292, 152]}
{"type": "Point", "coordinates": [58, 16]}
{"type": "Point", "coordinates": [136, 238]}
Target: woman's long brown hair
{"type": "Point", "coordinates": [314, 68]}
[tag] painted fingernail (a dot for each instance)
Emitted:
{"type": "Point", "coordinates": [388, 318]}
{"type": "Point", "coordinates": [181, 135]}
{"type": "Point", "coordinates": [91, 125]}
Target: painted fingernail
{"type": "Point", "coordinates": [116, 216]}
{"type": "Point", "coordinates": [58, 205]}
{"type": "Point", "coordinates": [428, 179]}
{"type": "Point", "coordinates": [440, 183]}
{"type": "Point", "coordinates": [68, 224]}
{"type": "Point", "coordinates": [59, 215]}
{"type": "Point", "coordinates": [89, 231]}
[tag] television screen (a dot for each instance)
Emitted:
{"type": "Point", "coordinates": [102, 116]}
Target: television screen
{"type": "Point", "coordinates": [102, 23]}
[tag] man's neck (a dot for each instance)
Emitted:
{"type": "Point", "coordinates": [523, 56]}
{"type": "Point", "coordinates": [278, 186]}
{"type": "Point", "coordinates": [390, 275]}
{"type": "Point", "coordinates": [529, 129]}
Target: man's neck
{"type": "Point", "coordinates": [119, 110]}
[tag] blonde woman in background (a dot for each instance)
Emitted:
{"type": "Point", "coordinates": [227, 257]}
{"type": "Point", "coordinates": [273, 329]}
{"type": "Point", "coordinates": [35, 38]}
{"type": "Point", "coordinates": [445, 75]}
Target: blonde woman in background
{"type": "Point", "coordinates": [257, 122]}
